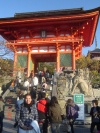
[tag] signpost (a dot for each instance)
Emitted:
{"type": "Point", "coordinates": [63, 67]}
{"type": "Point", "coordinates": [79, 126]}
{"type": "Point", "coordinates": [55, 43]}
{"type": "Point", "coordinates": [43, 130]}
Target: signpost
{"type": "Point", "coordinates": [79, 100]}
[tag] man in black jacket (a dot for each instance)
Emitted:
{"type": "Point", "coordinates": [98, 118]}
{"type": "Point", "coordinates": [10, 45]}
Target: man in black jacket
{"type": "Point", "coordinates": [95, 115]}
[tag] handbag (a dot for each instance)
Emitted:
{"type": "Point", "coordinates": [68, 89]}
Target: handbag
{"type": "Point", "coordinates": [35, 129]}
{"type": "Point", "coordinates": [35, 126]}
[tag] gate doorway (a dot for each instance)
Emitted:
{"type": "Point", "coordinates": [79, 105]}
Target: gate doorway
{"type": "Point", "coordinates": [41, 58]}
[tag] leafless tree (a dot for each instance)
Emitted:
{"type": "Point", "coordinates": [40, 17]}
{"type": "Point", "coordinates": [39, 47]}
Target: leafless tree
{"type": "Point", "coordinates": [4, 51]}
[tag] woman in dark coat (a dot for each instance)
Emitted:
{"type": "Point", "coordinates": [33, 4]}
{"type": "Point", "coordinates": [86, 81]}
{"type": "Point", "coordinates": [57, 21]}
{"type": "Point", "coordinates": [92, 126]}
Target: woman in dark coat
{"type": "Point", "coordinates": [55, 115]}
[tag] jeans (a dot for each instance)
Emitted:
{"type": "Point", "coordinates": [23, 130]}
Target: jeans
{"type": "Point", "coordinates": [55, 128]}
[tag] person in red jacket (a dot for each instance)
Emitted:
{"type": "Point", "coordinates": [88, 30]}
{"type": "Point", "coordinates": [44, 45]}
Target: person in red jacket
{"type": "Point", "coordinates": [42, 107]}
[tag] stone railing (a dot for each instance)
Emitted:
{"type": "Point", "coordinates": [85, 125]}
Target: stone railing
{"type": "Point", "coordinates": [6, 93]}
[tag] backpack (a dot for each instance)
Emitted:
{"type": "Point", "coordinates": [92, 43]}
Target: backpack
{"type": "Point", "coordinates": [41, 106]}
{"type": "Point", "coordinates": [72, 112]}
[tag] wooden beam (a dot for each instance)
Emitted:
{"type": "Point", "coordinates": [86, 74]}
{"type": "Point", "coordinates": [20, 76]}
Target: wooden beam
{"type": "Point", "coordinates": [28, 48]}
{"type": "Point", "coordinates": [58, 58]}
{"type": "Point", "coordinates": [28, 64]}
{"type": "Point", "coordinates": [73, 57]}
{"type": "Point", "coordinates": [15, 63]}
{"type": "Point", "coordinates": [14, 48]}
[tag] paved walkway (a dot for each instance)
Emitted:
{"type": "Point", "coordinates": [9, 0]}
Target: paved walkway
{"type": "Point", "coordinates": [8, 123]}
{"type": "Point", "coordinates": [79, 129]}
{"type": "Point", "coordinates": [8, 128]}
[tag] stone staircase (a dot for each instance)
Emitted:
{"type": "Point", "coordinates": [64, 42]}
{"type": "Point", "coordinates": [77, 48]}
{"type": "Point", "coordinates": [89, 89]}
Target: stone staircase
{"type": "Point", "coordinates": [96, 92]}
{"type": "Point", "coordinates": [10, 101]}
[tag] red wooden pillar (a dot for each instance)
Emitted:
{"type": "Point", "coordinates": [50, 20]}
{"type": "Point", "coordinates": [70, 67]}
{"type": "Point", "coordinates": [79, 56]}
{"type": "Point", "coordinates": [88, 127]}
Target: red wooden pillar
{"type": "Point", "coordinates": [73, 59]}
{"type": "Point", "coordinates": [58, 59]}
{"type": "Point", "coordinates": [28, 64]}
{"type": "Point", "coordinates": [15, 64]}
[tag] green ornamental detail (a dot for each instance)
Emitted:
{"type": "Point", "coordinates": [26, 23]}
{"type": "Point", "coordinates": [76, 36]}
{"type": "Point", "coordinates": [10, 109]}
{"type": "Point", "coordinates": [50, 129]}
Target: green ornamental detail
{"type": "Point", "coordinates": [22, 60]}
{"type": "Point", "coordinates": [66, 60]}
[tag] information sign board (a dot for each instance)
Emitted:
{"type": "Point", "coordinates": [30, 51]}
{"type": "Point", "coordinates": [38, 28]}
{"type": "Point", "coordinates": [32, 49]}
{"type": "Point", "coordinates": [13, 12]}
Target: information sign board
{"type": "Point", "coordinates": [79, 100]}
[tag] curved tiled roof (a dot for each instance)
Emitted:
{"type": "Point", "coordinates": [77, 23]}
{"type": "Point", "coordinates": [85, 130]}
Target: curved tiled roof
{"type": "Point", "coordinates": [81, 24]}
{"type": "Point", "coordinates": [97, 50]}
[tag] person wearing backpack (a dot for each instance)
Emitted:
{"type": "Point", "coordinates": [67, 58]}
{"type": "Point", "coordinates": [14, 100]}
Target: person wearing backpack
{"type": "Point", "coordinates": [42, 107]}
{"type": "Point", "coordinates": [71, 113]}
{"type": "Point", "coordinates": [95, 116]}
{"type": "Point", "coordinates": [55, 114]}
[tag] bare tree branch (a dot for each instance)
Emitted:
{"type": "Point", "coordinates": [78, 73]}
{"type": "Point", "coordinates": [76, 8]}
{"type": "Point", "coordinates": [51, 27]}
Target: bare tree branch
{"type": "Point", "coordinates": [4, 51]}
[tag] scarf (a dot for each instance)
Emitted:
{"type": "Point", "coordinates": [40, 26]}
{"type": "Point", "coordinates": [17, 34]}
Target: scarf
{"type": "Point", "coordinates": [28, 106]}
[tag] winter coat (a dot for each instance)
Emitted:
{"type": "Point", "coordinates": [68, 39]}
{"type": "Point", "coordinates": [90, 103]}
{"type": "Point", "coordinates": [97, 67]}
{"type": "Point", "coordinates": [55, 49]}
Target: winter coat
{"type": "Point", "coordinates": [92, 113]}
{"type": "Point", "coordinates": [55, 113]}
{"type": "Point", "coordinates": [35, 81]}
{"type": "Point", "coordinates": [42, 109]}
{"type": "Point", "coordinates": [72, 111]}
{"type": "Point", "coordinates": [24, 117]}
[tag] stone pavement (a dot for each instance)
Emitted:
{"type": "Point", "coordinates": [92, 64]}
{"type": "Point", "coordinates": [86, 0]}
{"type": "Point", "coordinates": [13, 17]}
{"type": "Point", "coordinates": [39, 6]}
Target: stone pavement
{"type": "Point", "coordinates": [9, 118]}
{"type": "Point", "coordinates": [78, 129]}
{"type": "Point", "coordinates": [82, 129]}
{"type": "Point", "coordinates": [8, 127]}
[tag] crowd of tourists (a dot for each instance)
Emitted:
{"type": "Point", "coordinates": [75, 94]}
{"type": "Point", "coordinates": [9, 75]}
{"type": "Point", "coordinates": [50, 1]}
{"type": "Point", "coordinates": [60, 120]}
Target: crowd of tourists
{"type": "Point", "coordinates": [33, 81]}
{"type": "Point", "coordinates": [36, 113]}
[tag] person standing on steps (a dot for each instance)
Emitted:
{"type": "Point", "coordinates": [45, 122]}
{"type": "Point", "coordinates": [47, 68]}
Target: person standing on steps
{"type": "Point", "coordinates": [26, 115]}
{"type": "Point", "coordinates": [35, 81]}
{"type": "Point", "coordinates": [71, 113]}
{"type": "Point", "coordinates": [42, 107]}
{"type": "Point", "coordinates": [55, 114]}
{"type": "Point", "coordinates": [18, 104]}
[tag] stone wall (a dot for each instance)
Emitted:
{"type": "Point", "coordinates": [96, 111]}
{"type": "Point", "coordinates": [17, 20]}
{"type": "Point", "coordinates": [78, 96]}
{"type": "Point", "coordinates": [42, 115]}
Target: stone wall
{"type": "Point", "coordinates": [70, 82]}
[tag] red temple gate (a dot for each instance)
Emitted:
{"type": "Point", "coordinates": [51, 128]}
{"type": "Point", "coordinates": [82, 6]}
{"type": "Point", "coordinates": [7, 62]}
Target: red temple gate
{"type": "Point", "coordinates": [49, 36]}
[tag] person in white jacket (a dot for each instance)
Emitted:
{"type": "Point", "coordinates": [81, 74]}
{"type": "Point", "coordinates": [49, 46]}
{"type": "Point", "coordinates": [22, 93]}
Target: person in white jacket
{"type": "Point", "coordinates": [26, 84]}
{"type": "Point", "coordinates": [35, 81]}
